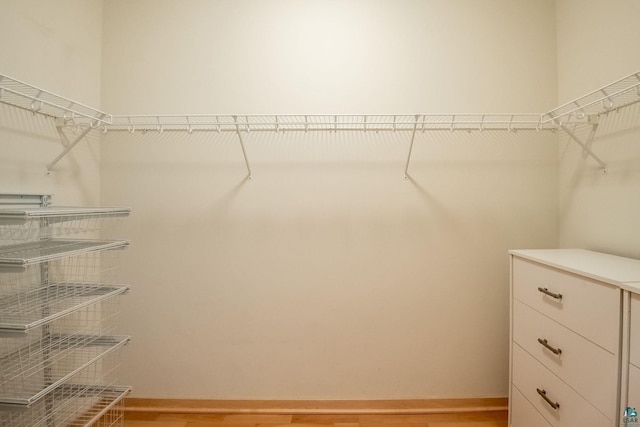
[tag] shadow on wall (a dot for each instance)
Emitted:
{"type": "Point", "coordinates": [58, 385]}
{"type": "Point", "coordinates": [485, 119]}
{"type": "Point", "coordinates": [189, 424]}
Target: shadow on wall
{"type": "Point", "coordinates": [24, 123]}
{"type": "Point", "coordinates": [598, 209]}
{"type": "Point", "coordinates": [30, 142]}
{"type": "Point", "coordinates": [204, 148]}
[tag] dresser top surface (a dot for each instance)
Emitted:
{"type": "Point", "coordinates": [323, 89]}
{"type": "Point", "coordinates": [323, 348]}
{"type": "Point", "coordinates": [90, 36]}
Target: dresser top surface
{"type": "Point", "coordinates": [616, 270]}
{"type": "Point", "coordinates": [632, 287]}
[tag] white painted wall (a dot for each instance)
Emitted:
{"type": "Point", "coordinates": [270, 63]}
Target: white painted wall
{"type": "Point", "coordinates": [597, 44]}
{"type": "Point", "coordinates": [56, 46]}
{"type": "Point", "coordinates": [327, 275]}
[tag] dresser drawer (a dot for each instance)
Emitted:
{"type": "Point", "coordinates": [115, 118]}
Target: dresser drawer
{"type": "Point", "coordinates": [529, 376]}
{"type": "Point", "coordinates": [523, 414]}
{"type": "Point", "coordinates": [587, 307]}
{"type": "Point", "coordinates": [635, 330]}
{"type": "Point", "coordinates": [633, 398]}
{"type": "Point", "coordinates": [589, 369]}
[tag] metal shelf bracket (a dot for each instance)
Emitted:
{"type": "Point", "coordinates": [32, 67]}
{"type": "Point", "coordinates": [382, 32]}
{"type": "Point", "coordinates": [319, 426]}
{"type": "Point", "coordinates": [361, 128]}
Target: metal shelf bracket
{"type": "Point", "coordinates": [65, 141]}
{"type": "Point", "coordinates": [244, 152]}
{"type": "Point", "coordinates": [413, 138]}
{"type": "Point", "coordinates": [586, 145]}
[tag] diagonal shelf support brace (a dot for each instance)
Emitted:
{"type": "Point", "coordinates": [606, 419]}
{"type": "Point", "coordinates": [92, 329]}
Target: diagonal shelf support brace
{"type": "Point", "coordinates": [244, 152]}
{"type": "Point", "coordinates": [585, 145]}
{"type": "Point", "coordinates": [68, 146]}
{"type": "Point", "coordinates": [413, 138]}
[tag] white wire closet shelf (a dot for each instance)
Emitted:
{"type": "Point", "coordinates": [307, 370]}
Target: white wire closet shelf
{"type": "Point", "coordinates": [26, 96]}
{"type": "Point", "coordinates": [21, 255]}
{"type": "Point", "coordinates": [40, 222]}
{"type": "Point", "coordinates": [21, 377]}
{"type": "Point", "coordinates": [328, 122]}
{"type": "Point", "coordinates": [619, 94]}
{"type": "Point", "coordinates": [21, 312]}
{"type": "Point", "coordinates": [612, 97]}
{"type": "Point", "coordinates": [41, 293]}
{"type": "Point", "coordinates": [58, 213]}
{"type": "Point", "coordinates": [76, 405]}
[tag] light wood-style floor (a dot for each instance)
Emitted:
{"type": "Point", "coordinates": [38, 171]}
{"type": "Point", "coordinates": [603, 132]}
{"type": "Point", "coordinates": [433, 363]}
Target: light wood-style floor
{"type": "Point", "coordinates": [477, 419]}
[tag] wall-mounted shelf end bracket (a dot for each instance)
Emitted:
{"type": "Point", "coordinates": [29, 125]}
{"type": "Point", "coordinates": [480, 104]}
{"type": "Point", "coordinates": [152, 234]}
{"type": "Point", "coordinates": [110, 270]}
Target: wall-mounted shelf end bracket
{"type": "Point", "coordinates": [586, 145]}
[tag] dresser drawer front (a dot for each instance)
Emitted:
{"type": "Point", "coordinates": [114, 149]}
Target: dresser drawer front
{"type": "Point", "coordinates": [635, 330]}
{"type": "Point", "coordinates": [591, 370]}
{"type": "Point", "coordinates": [529, 376]}
{"type": "Point", "coordinates": [633, 398]}
{"type": "Point", "coordinates": [523, 414]}
{"type": "Point", "coordinates": [587, 307]}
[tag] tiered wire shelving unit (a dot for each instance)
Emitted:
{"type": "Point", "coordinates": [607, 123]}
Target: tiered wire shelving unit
{"type": "Point", "coordinates": [584, 110]}
{"type": "Point", "coordinates": [58, 307]}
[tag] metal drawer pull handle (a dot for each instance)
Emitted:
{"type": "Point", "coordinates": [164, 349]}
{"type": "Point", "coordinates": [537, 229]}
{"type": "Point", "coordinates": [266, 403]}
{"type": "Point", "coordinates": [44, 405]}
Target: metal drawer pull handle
{"type": "Point", "coordinates": [543, 393]}
{"type": "Point", "coordinates": [545, 343]}
{"type": "Point", "coordinates": [551, 294]}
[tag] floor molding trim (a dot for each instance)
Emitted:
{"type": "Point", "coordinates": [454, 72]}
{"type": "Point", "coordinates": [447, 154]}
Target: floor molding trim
{"type": "Point", "coordinates": [333, 407]}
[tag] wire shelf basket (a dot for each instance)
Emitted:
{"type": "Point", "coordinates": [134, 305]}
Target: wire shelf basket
{"type": "Point", "coordinates": [20, 256]}
{"type": "Point", "coordinates": [107, 411]}
{"type": "Point", "coordinates": [34, 364]}
{"type": "Point", "coordinates": [39, 294]}
{"type": "Point", "coordinates": [27, 310]}
{"type": "Point", "coordinates": [45, 222]}
{"type": "Point", "coordinates": [89, 397]}
{"type": "Point", "coordinates": [76, 405]}
{"type": "Point", "coordinates": [49, 363]}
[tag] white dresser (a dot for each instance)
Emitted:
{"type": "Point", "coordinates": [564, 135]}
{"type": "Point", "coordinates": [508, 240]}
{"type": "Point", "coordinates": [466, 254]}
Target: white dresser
{"type": "Point", "coordinates": [630, 395]}
{"type": "Point", "coordinates": [568, 338]}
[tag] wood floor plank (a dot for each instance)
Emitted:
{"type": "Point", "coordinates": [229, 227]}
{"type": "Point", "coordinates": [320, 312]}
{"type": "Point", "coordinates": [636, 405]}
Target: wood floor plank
{"type": "Point", "coordinates": [248, 420]}
{"type": "Point", "coordinates": [325, 419]}
{"type": "Point", "coordinates": [185, 417]}
{"type": "Point", "coordinates": [469, 424]}
{"type": "Point", "coordinates": [141, 416]}
{"type": "Point", "coordinates": [216, 424]}
{"type": "Point", "coordinates": [409, 406]}
{"type": "Point", "coordinates": [397, 423]}
{"type": "Point", "coordinates": [258, 418]}
{"type": "Point", "coordinates": [154, 424]}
